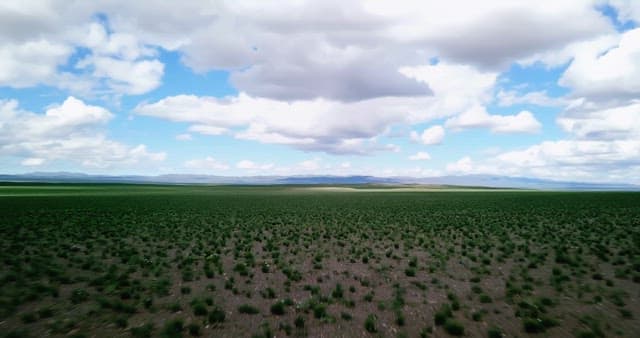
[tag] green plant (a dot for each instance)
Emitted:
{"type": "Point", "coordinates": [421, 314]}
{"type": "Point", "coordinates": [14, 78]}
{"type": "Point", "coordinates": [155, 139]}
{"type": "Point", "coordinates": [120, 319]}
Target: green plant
{"type": "Point", "coordinates": [173, 328]}
{"type": "Point", "coordinates": [216, 315]}
{"type": "Point", "coordinates": [441, 316]}
{"type": "Point", "coordinates": [143, 331]}
{"type": "Point", "coordinates": [278, 308]}
{"type": "Point", "coordinates": [79, 296]}
{"type": "Point", "coordinates": [248, 309]}
{"type": "Point", "coordinates": [194, 329]}
{"type": "Point", "coordinates": [299, 322]}
{"type": "Point", "coordinates": [370, 323]}
{"type": "Point", "coordinates": [453, 327]}
{"type": "Point", "coordinates": [494, 332]}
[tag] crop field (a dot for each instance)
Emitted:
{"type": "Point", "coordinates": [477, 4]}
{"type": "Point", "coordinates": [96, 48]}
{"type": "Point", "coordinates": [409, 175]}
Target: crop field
{"type": "Point", "coordinates": [219, 261]}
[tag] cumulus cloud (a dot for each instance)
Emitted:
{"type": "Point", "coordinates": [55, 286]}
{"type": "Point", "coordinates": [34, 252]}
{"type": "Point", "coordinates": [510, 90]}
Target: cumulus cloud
{"type": "Point", "coordinates": [617, 123]}
{"type": "Point", "coordinates": [461, 166]}
{"type": "Point", "coordinates": [628, 10]}
{"type": "Point", "coordinates": [429, 136]}
{"type": "Point", "coordinates": [206, 164]}
{"type": "Point", "coordinates": [456, 87]}
{"type": "Point", "coordinates": [523, 29]}
{"type": "Point", "coordinates": [539, 98]}
{"type": "Point", "coordinates": [206, 129]}
{"type": "Point", "coordinates": [74, 54]}
{"type": "Point", "coordinates": [616, 72]}
{"type": "Point", "coordinates": [602, 144]}
{"type": "Point", "coordinates": [317, 125]}
{"type": "Point", "coordinates": [477, 117]}
{"type": "Point", "coordinates": [351, 127]}
{"type": "Point", "coordinates": [70, 131]}
{"type": "Point", "coordinates": [31, 63]}
{"type": "Point", "coordinates": [328, 49]}
{"type": "Point", "coordinates": [32, 162]}
{"type": "Point", "coordinates": [250, 165]}
{"type": "Point", "coordinates": [420, 156]}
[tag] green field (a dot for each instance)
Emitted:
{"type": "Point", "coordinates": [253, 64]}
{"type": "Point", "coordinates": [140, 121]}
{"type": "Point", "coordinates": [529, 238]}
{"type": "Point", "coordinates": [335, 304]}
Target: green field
{"type": "Point", "coordinates": [169, 261]}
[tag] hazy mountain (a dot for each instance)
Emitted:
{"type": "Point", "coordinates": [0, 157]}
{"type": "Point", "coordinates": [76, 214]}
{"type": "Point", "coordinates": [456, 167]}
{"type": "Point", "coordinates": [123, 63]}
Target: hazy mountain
{"type": "Point", "coordinates": [464, 180]}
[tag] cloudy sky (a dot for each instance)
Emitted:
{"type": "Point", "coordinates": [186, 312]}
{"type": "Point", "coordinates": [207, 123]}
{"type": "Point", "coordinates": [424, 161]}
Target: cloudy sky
{"type": "Point", "coordinates": [546, 88]}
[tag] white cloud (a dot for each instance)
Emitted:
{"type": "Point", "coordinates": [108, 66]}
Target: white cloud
{"type": "Point", "coordinates": [558, 57]}
{"type": "Point", "coordinates": [206, 164]}
{"type": "Point", "coordinates": [32, 162]}
{"type": "Point", "coordinates": [431, 135]}
{"type": "Point", "coordinates": [207, 130]}
{"type": "Point", "coordinates": [317, 125]}
{"type": "Point", "coordinates": [309, 165]}
{"type": "Point", "coordinates": [329, 49]}
{"type": "Point", "coordinates": [31, 63]}
{"type": "Point", "coordinates": [461, 166]}
{"type": "Point", "coordinates": [494, 32]}
{"type": "Point", "coordinates": [420, 156]}
{"type": "Point", "coordinates": [477, 117]}
{"type": "Point", "coordinates": [617, 123]}
{"type": "Point", "coordinates": [71, 131]}
{"type": "Point", "coordinates": [327, 125]}
{"type": "Point", "coordinates": [125, 76]}
{"type": "Point", "coordinates": [75, 54]}
{"type": "Point", "coordinates": [628, 10]}
{"type": "Point", "coordinates": [539, 98]}
{"type": "Point", "coordinates": [455, 87]}
{"type": "Point", "coordinates": [603, 145]}
{"type": "Point", "coordinates": [614, 73]}
{"type": "Point", "coordinates": [250, 165]}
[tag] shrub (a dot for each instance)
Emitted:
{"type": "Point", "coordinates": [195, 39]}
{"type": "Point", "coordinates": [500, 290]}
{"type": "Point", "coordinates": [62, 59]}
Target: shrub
{"type": "Point", "coordinates": [79, 296]}
{"type": "Point", "coordinates": [370, 324]}
{"type": "Point", "coordinates": [442, 314]}
{"type": "Point", "coordinates": [28, 317]}
{"type": "Point", "coordinates": [626, 314]}
{"type": "Point", "coordinates": [216, 315]}
{"type": "Point", "coordinates": [46, 312]}
{"type": "Point", "coordinates": [319, 310]}
{"type": "Point", "coordinates": [194, 329]}
{"type": "Point", "coordinates": [278, 308]}
{"type": "Point", "coordinates": [248, 309]}
{"type": "Point", "coordinates": [121, 322]}
{"type": "Point", "coordinates": [173, 328]}
{"type": "Point", "coordinates": [453, 327]}
{"type": "Point", "coordinates": [199, 309]}
{"type": "Point", "coordinates": [399, 318]}
{"type": "Point", "coordinates": [175, 307]}
{"type": "Point", "coordinates": [533, 325]}
{"type": "Point", "coordinates": [143, 331]}
{"type": "Point", "coordinates": [368, 297]}
{"type": "Point", "coordinates": [494, 332]}
{"type": "Point", "coordinates": [338, 292]}
{"type": "Point", "coordinates": [299, 322]}
{"type": "Point", "coordinates": [484, 298]}
{"type": "Point", "coordinates": [269, 293]}
{"type": "Point", "coordinates": [410, 272]}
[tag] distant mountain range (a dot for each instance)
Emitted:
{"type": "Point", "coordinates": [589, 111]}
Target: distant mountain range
{"type": "Point", "coordinates": [465, 180]}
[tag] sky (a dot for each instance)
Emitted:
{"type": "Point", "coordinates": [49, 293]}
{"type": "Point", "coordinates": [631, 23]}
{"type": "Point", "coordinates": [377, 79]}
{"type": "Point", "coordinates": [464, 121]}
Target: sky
{"type": "Point", "coordinates": [546, 89]}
